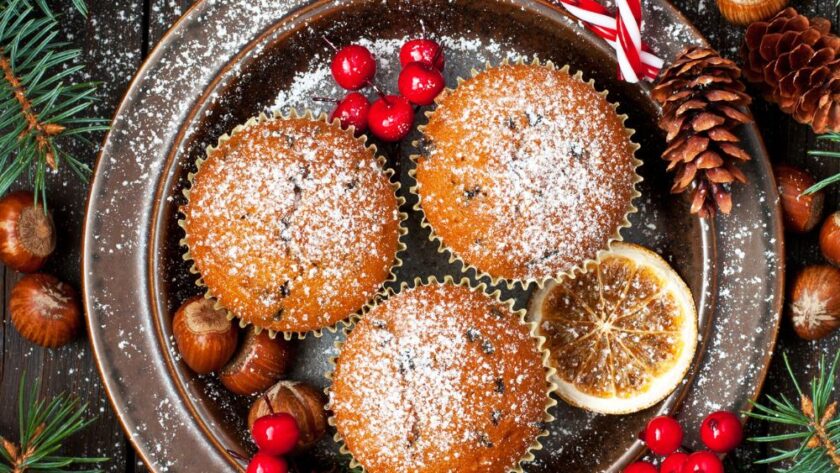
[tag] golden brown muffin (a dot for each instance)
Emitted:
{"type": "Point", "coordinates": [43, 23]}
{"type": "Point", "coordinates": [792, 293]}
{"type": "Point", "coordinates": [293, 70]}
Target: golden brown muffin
{"type": "Point", "coordinates": [292, 224]}
{"type": "Point", "coordinates": [526, 172]}
{"type": "Point", "coordinates": [440, 378]}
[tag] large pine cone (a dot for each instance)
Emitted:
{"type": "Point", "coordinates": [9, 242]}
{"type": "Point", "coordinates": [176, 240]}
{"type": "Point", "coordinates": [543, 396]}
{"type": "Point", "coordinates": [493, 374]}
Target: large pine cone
{"type": "Point", "coordinates": [795, 63]}
{"type": "Point", "coordinates": [702, 100]}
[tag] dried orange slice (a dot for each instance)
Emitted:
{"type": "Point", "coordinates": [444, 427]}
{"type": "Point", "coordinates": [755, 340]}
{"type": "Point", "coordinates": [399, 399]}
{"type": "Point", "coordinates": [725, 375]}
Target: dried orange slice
{"type": "Point", "coordinates": [622, 335]}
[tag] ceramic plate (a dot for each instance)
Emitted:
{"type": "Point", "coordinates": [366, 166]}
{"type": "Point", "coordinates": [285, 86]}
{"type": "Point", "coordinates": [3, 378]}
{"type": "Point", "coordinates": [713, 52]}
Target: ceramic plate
{"type": "Point", "coordinates": [224, 62]}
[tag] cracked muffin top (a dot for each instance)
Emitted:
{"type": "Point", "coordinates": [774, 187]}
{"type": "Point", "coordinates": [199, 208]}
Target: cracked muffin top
{"type": "Point", "coordinates": [292, 223]}
{"type": "Point", "coordinates": [439, 378]}
{"type": "Point", "coordinates": [526, 171]}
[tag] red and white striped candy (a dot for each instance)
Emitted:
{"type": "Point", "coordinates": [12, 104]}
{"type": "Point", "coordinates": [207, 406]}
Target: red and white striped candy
{"type": "Point", "coordinates": [622, 31]}
{"type": "Point", "coordinates": [628, 27]}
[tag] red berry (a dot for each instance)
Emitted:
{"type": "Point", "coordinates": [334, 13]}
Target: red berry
{"type": "Point", "coordinates": [352, 110]}
{"type": "Point", "coordinates": [674, 463]}
{"type": "Point", "coordinates": [353, 67]}
{"type": "Point", "coordinates": [663, 435]}
{"type": "Point", "coordinates": [702, 462]}
{"type": "Point", "coordinates": [721, 432]}
{"type": "Point", "coordinates": [390, 118]}
{"type": "Point", "coordinates": [420, 83]}
{"type": "Point", "coordinates": [264, 463]}
{"type": "Point", "coordinates": [640, 467]}
{"type": "Point", "coordinates": [422, 50]}
{"type": "Point", "coordinates": [276, 434]}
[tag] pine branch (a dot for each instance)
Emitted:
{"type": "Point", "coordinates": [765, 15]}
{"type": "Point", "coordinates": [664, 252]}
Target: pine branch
{"type": "Point", "coordinates": [835, 139]}
{"type": "Point", "coordinates": [79, 5]}
{"type": "Point", "coordinates": [40, 107]}
{"type": "Point", "coordinates": [811, 422]}
{"type": "Point", "coordinates": [44, 426]}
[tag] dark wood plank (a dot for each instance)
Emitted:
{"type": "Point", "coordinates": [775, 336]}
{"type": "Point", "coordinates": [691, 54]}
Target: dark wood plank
{"type": "Point", "coordinates": [787, 142]}
{"type": "Point", "coordinates": [115, 39]}
{"type": "Point", "coordinates": [111, 42]}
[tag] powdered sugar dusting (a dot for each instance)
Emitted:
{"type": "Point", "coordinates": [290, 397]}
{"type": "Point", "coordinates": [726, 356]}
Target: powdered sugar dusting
{"type": "Point", "coordinates": [538, 160]}
{"type": "Point", "coordinates": [292, 224]}
{"type": "Point", "coordinates": [135, 163]}
{"type": "Point", "coordinates": [438, 378]}
{"type": "Point", "coordinates": [316, 79]}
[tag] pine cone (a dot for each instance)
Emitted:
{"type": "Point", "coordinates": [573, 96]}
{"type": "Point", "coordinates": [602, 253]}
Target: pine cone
{"type": "Point", "coordinates": [794, 62]}
{"type": "Point", "coordinates": [702, 98]}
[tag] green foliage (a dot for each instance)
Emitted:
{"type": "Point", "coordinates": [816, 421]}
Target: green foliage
{"type": "Point", "coordinates": [835, 139]}
{"type": "Point", "coordinates": [40, 106]}
{"type": "Point", "coordinates": [79, 5]}
{"type": "Point", "coordinates": [810, 424]}
{"type": "Point", "coordinates": [43, 428]}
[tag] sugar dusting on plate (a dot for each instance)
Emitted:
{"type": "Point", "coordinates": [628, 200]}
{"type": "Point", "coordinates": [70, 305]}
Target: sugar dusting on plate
{"type": "Point", "coordinates": [316, 79]}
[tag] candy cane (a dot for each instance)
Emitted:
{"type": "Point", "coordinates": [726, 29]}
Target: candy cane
{"type": "Point", "coordinates": [628, 24]}
{"type": "Point", "coordinates": [622, 32]}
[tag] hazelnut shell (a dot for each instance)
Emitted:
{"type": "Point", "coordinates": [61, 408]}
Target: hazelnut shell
{"type": "Point", "coordinates": [744, 12]}
{"type": "Point", "coordinates": [301, 401]}
{"type": "Point", "coordinates": [814, 307]}
{"type": "Point", "coordinates": [802, 212]}
{"type": "Point", "coordinates": [258, 364]}
{"type": "Point", "coordinates": [27, 232]}
{"type": "Point", "coordinates": [830, 239]}
{"type": "Point", "coordinates": [206, 339]}
{"type": "Point", "coordinates": [44, 310]}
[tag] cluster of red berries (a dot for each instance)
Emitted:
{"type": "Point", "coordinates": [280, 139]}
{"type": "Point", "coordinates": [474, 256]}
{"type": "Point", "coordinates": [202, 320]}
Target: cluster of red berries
{"type": "Point", "coordinates": [721, 432]}
{"type": "Point", "coordinates": [276, 435]}
{"type": "Point", "coordinates": [391, 116]}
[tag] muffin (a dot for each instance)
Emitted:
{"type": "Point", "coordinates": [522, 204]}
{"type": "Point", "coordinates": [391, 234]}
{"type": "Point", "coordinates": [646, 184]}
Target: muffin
{"type": "Point", "coordinates": [440, 378]}
{"type": "Point", "coordinates": [292, 223]}
{"type": "Point", "coordinates": [526, 172]}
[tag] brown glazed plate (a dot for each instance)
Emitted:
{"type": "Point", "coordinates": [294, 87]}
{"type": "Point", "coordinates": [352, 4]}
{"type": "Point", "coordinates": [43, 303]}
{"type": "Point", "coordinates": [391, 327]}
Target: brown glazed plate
{"type": "Point", "coordinates": [226, 61]}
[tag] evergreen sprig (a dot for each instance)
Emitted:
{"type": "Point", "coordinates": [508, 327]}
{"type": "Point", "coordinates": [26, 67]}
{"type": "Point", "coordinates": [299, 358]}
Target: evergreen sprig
{"type": "Point", "coordinates": [812, 423]}
{"type": "Point", "coordinates": [44, 426]}
{"type": "Point", "coordinates": [833, 138]}
{"type": "Point", "coordinates": [40, 105]}
{"type": "Point", "coordinates": [79, 5]}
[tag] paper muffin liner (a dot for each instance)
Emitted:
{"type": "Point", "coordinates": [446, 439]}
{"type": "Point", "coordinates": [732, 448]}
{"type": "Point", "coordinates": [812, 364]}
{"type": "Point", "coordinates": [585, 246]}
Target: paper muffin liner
{"type": "Point", "coordinates": [526, 282]}
{"type": "Point", "coordinates": [402, 229]}
{"type": "Point", "coordinates": [521, 315]}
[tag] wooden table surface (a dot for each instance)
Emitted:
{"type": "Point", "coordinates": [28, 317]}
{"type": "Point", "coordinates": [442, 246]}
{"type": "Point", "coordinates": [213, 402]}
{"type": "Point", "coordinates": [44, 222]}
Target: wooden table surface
{"type": "Point", "coordinates": [115, 39]}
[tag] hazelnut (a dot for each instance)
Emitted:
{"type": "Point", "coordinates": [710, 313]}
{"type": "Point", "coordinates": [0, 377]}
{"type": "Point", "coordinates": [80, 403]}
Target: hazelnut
{"type": "Point", "coordinates": [258, 364]}
{"type": "Point", "coordinates": [741, 12]}
{"type": "Point", "coordinates": [27, 233]}
{"type": "Point", "coordinates": [802, 212]}
{"type": "Point", "coordinates": [206, 339]}
{"type": "Point", "coordinates": [830, 238]}
{"type": "Point", "coordinates": [815, 302]}
{"type": "Point", "coordinates": [303, 402]}
{"type": "Point", "coordinates": [45, 310]}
